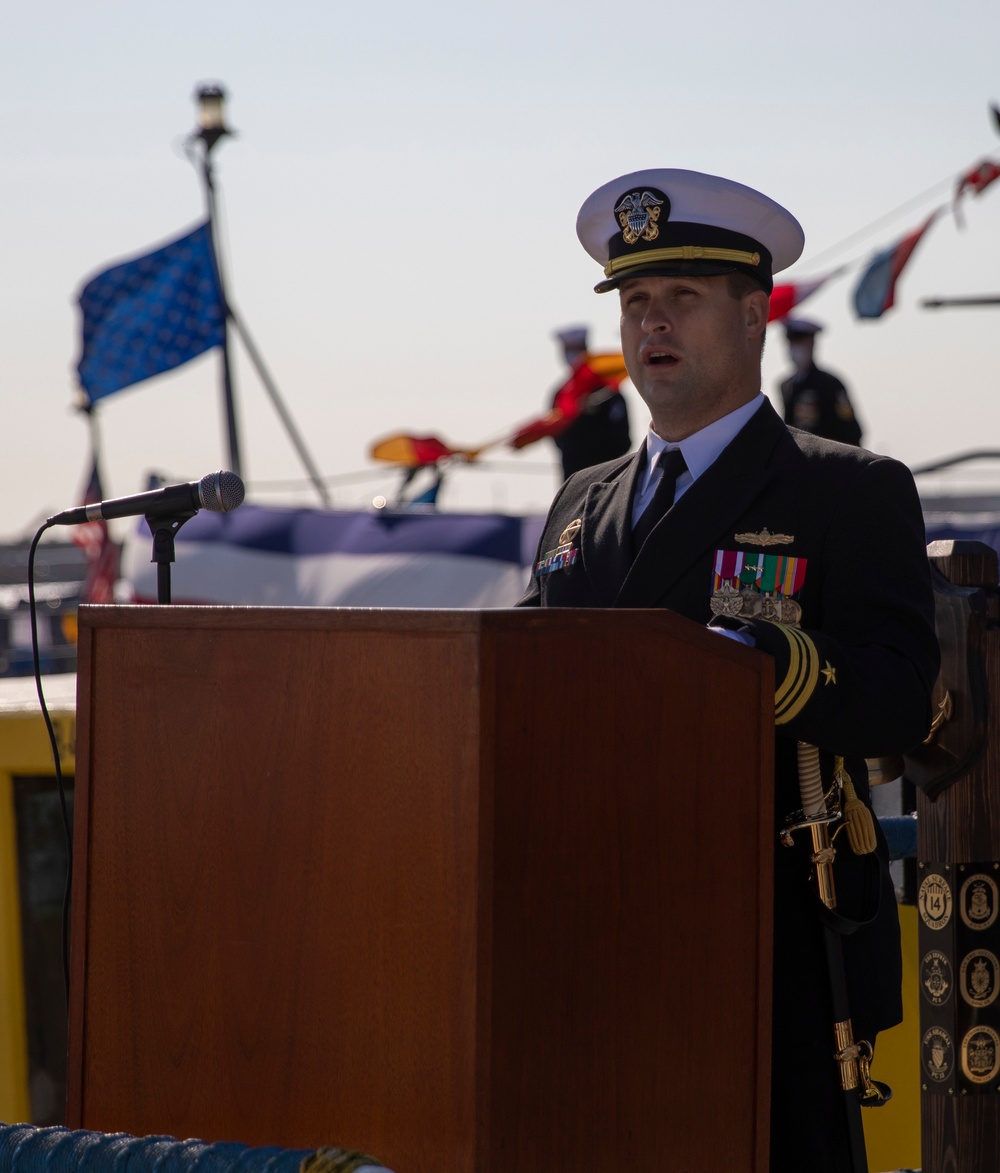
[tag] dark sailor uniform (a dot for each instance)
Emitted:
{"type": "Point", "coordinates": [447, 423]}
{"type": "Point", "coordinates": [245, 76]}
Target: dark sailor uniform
{"type": "Point", "coordinates": [817, 401]}
{"type": "Point", "coordinates": [598, 433]}
{"type": "Point", "coordinates": [853, 676]}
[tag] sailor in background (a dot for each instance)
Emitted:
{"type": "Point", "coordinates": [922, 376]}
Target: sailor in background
{"type": "Point", "coordinates": [599, 431]}
{"type": "Point", "coordinates": [811, 551]}
{"type": "Point", "coordinates": [815, 400]}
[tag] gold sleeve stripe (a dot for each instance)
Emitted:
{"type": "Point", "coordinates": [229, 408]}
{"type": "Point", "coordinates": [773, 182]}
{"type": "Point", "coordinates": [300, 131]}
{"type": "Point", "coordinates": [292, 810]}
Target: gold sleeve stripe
{"type": "Point", "coordinates": [800, 681]}
{"type": "Point", "coordinates": [792, 683]}
{"type": "Point", "coordinates": [681, 252]}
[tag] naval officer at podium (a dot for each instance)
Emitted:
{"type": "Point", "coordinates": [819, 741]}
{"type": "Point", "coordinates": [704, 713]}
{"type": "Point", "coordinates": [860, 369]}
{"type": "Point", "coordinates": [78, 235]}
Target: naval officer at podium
{"type": "Point", "coordinates": [810, 550]}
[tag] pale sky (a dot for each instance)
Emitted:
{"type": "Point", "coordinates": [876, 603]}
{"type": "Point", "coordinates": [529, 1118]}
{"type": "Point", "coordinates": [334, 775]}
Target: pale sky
{"type": "Point", "coordinates": [399, 211]}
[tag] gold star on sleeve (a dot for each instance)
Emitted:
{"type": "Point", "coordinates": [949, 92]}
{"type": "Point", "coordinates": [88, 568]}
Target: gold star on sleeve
{"type": "Point", "coordinates": [830, 673]}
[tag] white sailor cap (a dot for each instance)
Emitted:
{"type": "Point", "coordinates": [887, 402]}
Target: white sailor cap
{"type": "Point", "coordinates": [667, 222]}
{"type": "Point", "coordinates": [572, 337]}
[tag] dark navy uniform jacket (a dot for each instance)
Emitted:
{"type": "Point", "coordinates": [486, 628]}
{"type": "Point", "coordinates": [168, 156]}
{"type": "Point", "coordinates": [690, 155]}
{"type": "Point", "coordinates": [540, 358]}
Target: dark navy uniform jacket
{"type": "Point", "coordinates": [817, 402]}
{"type": "Point", "coordinates": [600, 432]}
{"type": "Point", "coordinates": [867, 614]}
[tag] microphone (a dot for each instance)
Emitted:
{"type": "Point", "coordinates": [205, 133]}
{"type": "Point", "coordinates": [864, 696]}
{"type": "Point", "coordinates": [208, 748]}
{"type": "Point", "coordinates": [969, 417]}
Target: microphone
{"type": "Point", "coordinates": [218, 492]}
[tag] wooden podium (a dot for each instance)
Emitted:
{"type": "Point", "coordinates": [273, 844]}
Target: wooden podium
{"type": "Point", "coordinates": [471, 891]}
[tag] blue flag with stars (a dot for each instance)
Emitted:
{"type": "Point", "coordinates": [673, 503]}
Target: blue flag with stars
{"type": "Point", "coordinates": [150, 314]}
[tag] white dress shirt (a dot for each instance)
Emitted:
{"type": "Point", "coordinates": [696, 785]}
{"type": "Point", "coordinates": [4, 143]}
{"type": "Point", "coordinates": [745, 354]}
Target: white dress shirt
{"type": "Point", "coordinates": [700, 451]}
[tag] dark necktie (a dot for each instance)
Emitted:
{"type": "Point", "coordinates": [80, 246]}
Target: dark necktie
{"type": "Point", "coordinates": [672, 464]}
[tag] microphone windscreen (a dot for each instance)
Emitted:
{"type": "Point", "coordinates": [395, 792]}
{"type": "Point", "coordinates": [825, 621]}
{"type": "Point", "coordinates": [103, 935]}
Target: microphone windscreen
{"type": "Point", "coordinates": [221, 492]}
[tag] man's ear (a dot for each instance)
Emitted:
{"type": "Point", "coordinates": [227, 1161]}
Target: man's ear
{"type": "Point", "coordinates": [756, 306]}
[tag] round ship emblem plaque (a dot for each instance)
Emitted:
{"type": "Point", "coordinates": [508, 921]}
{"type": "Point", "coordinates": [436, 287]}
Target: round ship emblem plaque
{"type": "Point", "coordinates": [934, 901]}
{"type": "Point", "coordinates": [978, 901]}
{"type": "Point", "coordinates": [936, 977]}
{"type": "Point", "coordinates": [978, 978]}
{"type": "Point", "coordinates": [937, 1054]}
{"type": "Point", "coordinates": [981, 1054]}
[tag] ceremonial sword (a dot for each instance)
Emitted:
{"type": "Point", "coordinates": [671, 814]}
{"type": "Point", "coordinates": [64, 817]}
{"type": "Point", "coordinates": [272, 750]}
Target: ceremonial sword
{"type": "Point", "coordinates": [819, 811]}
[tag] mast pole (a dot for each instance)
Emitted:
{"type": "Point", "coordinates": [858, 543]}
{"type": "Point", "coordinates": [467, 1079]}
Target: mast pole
{"type": "Point", "coordinates": [212, 128]}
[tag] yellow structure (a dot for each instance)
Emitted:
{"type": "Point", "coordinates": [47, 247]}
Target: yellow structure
{"type": "Point", "coordinates": [25, 751]}
{"type": "Point", "coordinates": [892, 1132]}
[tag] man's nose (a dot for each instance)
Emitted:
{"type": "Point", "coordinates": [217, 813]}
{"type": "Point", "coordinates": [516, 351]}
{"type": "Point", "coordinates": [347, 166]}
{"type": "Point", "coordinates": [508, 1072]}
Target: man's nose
{"type": "Point", "coordinates": [656, 317]}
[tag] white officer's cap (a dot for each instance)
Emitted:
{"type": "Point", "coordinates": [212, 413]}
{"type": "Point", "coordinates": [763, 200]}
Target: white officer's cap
{"type": "Point", "coordinates": [667, 222]}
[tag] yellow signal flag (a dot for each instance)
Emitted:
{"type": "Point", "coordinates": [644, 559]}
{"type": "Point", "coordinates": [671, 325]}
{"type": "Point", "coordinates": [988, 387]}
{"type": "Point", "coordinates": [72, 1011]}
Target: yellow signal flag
{"type": "Point", "coordinates": [610, 366]}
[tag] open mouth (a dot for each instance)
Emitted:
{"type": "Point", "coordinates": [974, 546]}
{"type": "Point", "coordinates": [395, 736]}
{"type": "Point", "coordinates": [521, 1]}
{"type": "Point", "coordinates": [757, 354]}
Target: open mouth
{"type": "Point", "coordinates": [661, 358]}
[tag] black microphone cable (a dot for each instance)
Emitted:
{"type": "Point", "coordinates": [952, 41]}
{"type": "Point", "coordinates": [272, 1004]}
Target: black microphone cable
{"type": "Point", "coordinates": [60, 783]}
{"type": "Point", "coordinates": [219, 492]}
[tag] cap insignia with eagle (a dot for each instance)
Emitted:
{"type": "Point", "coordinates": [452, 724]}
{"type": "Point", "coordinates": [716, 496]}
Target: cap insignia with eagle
{"type": "Point", "coordinates": [669, 222]}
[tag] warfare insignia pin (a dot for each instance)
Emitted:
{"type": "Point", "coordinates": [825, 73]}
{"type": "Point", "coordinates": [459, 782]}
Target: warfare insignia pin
{"type": "Point", "coordinates": [570, 532]}
{"type": "Point", "coordinates": [637, 214]}
{"type": "Point", "coordinates": [764, 538]}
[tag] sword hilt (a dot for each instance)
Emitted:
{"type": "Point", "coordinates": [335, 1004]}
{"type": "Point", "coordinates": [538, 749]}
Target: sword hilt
{"type": "Point", "coordinates": [854, 1061]}
{"type": "Point", "coordinates": [873, 1093]}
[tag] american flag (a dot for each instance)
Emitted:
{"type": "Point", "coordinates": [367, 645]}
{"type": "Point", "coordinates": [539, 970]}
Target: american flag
{"type": "Point", "coordinates": [100, 551]}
